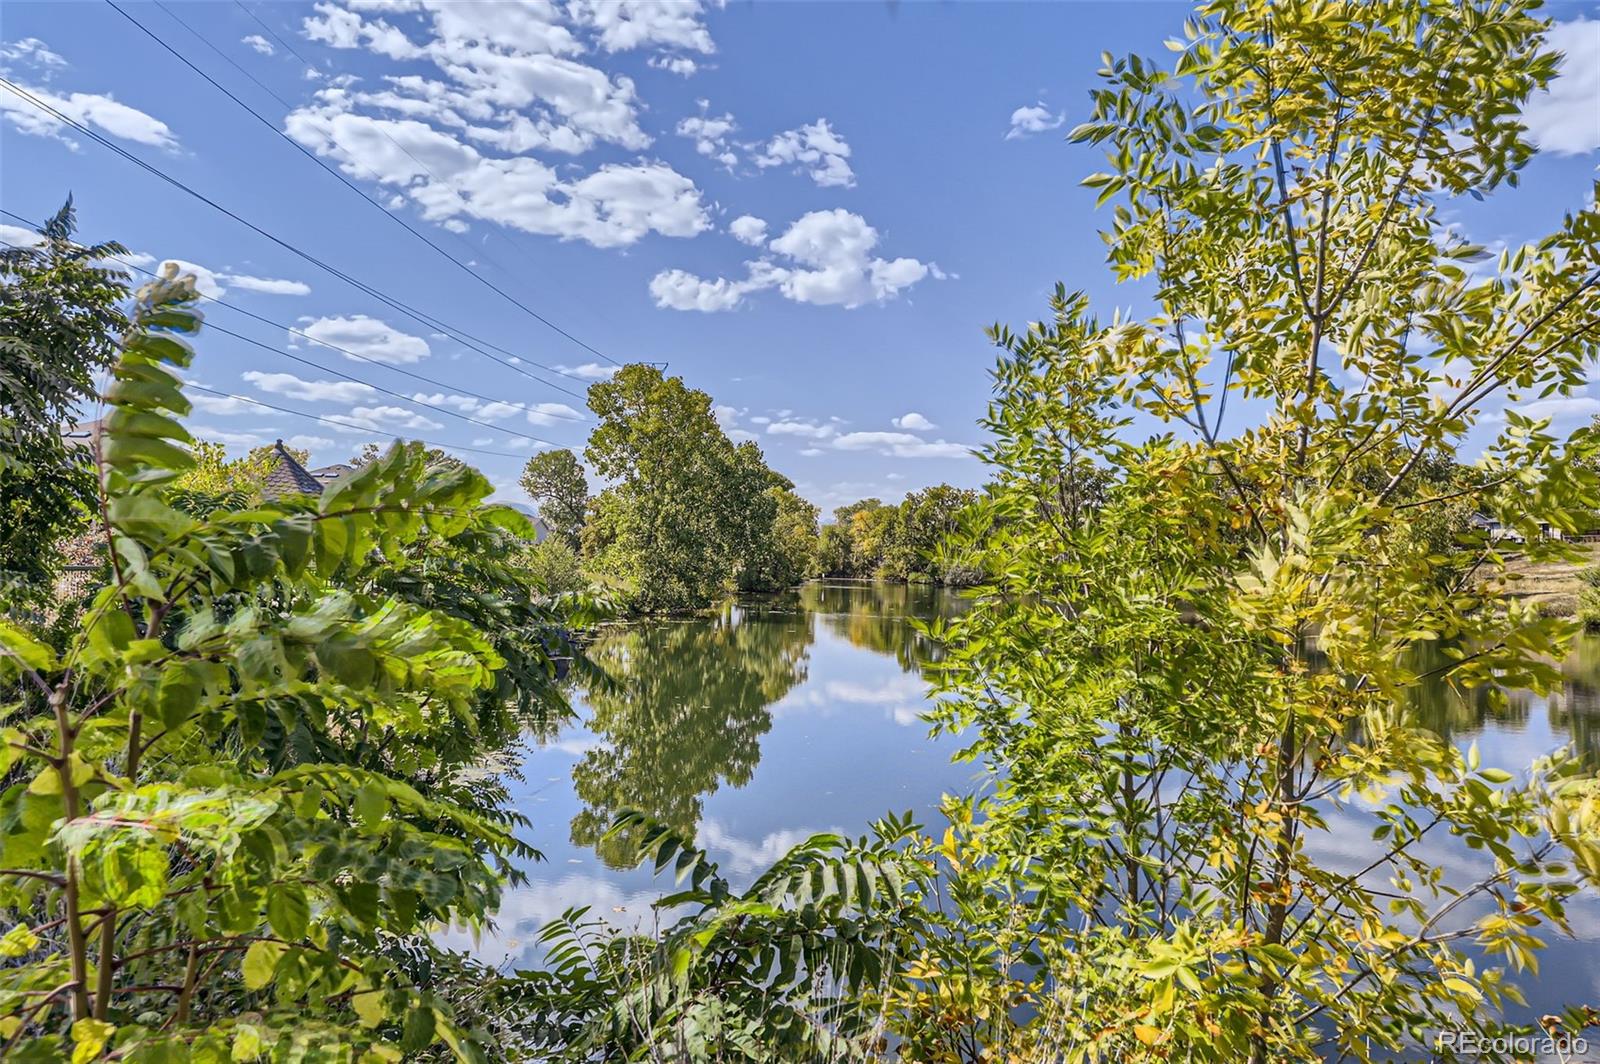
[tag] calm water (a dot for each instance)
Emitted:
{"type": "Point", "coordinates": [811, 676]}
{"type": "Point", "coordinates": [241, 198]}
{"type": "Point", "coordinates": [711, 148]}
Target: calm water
{"type": "Point", "coordinates": [799, 714]}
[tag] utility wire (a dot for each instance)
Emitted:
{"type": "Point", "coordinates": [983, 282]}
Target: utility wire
{"type": "Point", "coordinates": [315, 340]}
{"type": "Point", "coordinates": [274, 33]}
{"type": "Point", "coordinates": [364, 383]}
{"type": "Point", "coordinates": [342, 425]}
{"type": "Point", "coordinates": [259, 117]}
{"type": "Point", "coordinates": [155, 171]}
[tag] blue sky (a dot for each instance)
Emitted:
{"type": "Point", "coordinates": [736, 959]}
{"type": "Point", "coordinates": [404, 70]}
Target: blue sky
{"type": "Point", "coordinates": [810, 211]}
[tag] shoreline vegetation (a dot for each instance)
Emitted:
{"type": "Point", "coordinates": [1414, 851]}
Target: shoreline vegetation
{"type": "Point", "coordinates": [1226, 540]}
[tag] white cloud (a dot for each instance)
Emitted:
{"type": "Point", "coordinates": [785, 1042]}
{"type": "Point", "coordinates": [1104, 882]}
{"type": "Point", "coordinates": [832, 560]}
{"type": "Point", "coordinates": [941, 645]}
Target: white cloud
{"type": "Point", "coordinates": [369, 337]}
{"type": "Point", "coordinates": [31, 50]}
{"type": "Point", "coordinates": [629, 24]}
{"type": "Point", "coordinates": [495, 410]}
{"type": "Point", "coordinates": [1566, 118]}
{"type": "Point", "coordinates": [214, 284]}
{"type": "Point", "coordinates": [710, 135]}
{"type": "Point", "coordinates": [830, 263]}
{"type": "Point", "coordinates": [748, 229]}
{"type": "Point", "coordinates": [550, 413]}
{"type": "Point", "coordinates": [1560, 406]}
{"type": "Point", "coordinates": [811, 452]}
{"type": "Point", "coordinates": [816, 149]}
{"type": "Point", "coordinates": [1038, 118]}
{"type": "Point", "coordinates": [510, 80]}
{"type": "Point", "coordinates": [309, 443]}
{"type": "Point", "coordinates": [89, 109]}
{"type": "Point", "coordinates": [287, 384]}
{"type": "Point", "coordinates": [900, 445]}
{"type": "Point", "coordinates": [680, 65]}
{"type": "Point", "coordinates": [226, 405]}
{"type": "Point", "coordinates": [798, 427]}
{"type": "Point", "coordinates": [270, 285]}
{"type": "Point", "coordinates": [589, 371]}
{"type": "Point", "coordinates": [384, 419]}
{"type": "Point", "coordinates": [259, 43]}
{"type": "Point", "coordinates": [18, 236]}
{"type": "Point", "coordinates": [228, 437]}
{"type": "Point", "coordinates": [681, 290]}
{"type": "Point", "coordinates": [913, 422]}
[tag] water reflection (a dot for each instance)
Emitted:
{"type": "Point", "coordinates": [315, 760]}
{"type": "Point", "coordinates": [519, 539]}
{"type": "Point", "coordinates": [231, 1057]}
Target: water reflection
{"type": "Point", "coordinates": [1460, 715]}
{"type": "Point", "coordinates": [879, 616]}
{"type": "Point", "coordinates": [686, 716]}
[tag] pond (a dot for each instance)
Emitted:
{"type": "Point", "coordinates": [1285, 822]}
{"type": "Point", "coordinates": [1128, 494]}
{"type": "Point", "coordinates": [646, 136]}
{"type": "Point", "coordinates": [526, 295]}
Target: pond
{"type": "Point", "coordinates": [799, 713]}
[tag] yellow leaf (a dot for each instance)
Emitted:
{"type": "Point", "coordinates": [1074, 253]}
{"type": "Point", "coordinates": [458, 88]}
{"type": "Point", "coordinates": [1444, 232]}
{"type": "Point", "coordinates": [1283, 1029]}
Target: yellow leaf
{"type": "Point", "coordinates": [1147, 1034]}
{"type": "Point", "coordinates": [369, 1006]}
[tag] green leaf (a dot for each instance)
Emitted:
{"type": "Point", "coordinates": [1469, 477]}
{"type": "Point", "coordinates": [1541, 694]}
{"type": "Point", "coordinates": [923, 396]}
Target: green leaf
{"type": "Point", "coordinates": [288, 911]}
{"type": "Point", "coordinates": [261, 963]}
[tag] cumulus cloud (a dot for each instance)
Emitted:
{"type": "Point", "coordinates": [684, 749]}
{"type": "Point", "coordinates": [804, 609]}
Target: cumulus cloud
{"type": "Point", "coordinates": [748, 229]}
{"type": "Point", "coordinates": [214, 284]}
{"type": "Point", "coordinates": [510, 81]}
{"type": "Point", "coordinates": [18, 236]}
{"type": "Point", "coordinates": [549, 413]}
{"type": "Point", "coordinates": [1026, 121]}
{"type": "Point", "coordinates": [913, 422]}
{"type": "Point", "coordinates": [814, 149]}
{"type": "Point", "coordinates": [494, 410]}
{"type": "Point", "coordinates": [31, 51]}
{"type": "Point", "coordinates": [90, 109]}
{"type": "Point", "coordinates": [711, 135]}
{"type": "Point", "coordinates": [680, 65]}
{"type": "Point", "coordinates": [293, 387]}
{"type": "Point", "coordinates": [900, 445]}
{"type": "Point", "coordinates": [368, 337]}
{"type": "Point", "coordinates": [228, 437]}
{"type": "Point", "coordinates": [589, 371]}
{"type": "Point", "coordinates": [258, 43]}
{"type": "Point", "coordinates": [1566, 118]}
{"type": "Point", "coordinates": [227, 405]}
{"type": "Point", "coordinates": [826, 259]}
{"type": "Point", "coordinates": [270, 285]}
{"type": "Point", "coordinates": [623, 25]}
{"type": "Point", "coordinates": [384, 419]}
{"type": "Point", "coordinates": [804, 427]}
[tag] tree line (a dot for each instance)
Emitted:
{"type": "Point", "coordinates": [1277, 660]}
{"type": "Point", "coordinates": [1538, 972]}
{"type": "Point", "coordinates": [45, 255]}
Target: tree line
{"type": "Point", "coordinates": [689, 515]}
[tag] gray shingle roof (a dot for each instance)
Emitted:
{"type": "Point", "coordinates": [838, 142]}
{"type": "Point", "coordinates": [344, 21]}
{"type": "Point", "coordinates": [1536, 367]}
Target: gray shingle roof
{"type": "Point", "coordinates": [288, 477]}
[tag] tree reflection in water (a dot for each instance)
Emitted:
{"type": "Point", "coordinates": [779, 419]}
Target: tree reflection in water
{"type": "Point", "coordinates": [1460, 714]}
{"type": "Point", "coordinates": [880, 616]}
{"type": "Point", "coordinates": [686, 716]}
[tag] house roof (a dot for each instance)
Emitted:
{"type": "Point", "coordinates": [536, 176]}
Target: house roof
{"type": "Point", "coordinates": [288, 477]}
{"type": "Point", "coordinates": [329, 473]}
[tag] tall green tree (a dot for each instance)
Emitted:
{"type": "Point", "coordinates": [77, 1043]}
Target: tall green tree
{"type": "Point", "coordinates": [691, 515]}
{"type": "Point", "coordinates": [59, 325]}
{"type": "Point", "coordinates": [554, 480]}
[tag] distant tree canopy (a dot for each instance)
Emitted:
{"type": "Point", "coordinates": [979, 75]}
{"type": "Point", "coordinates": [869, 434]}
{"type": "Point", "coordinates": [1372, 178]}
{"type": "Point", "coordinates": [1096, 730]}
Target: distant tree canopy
{"type": "Point", "coordinates": [689, 515]}
{"type": "Point", "coordinates": [554, 480]}
{"type": "Point", "coordinates": [59, 325]}
{"type": "Point", "coordinates": [903, 542]}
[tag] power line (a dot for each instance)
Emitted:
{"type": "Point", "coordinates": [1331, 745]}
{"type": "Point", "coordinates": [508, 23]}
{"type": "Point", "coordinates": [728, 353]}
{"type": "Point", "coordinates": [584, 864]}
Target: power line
{"type": "Point", "coordinates": [342, 425]}
{"type": "Point", "coordinates": [365, 383]}
{"type": "Point", "coordinates": [317, 340]}
{"type": "Point", "coordinates": [340, 177]}
{"type": "Point", "coordinates": [403, 308]}
{"type": "Point", "coordinates": [493, 230]}
{"type": "Point", "coordinates": [274, 34]}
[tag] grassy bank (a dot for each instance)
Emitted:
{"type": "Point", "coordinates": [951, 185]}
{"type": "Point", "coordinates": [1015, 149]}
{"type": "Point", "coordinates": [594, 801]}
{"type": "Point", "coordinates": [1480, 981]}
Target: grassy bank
{"type": "Point", "coordinates": [1553, 585]}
